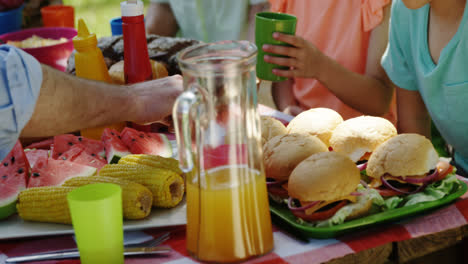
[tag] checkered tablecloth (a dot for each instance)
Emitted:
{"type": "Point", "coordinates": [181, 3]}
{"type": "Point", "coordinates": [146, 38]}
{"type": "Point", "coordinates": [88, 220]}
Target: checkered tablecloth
{"type": "Point", "coordinates": [287, 248]}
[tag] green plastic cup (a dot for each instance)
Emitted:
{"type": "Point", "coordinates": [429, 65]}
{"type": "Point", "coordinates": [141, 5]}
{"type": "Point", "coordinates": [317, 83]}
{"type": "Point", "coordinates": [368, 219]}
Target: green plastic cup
{"type": "Point", "coordinates": [266, 23]}
{"type": "Point", "coordinates": [96, 212]}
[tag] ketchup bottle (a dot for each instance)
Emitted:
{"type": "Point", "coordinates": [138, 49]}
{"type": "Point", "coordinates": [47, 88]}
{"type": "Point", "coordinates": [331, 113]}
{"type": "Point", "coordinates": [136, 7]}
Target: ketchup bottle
{"type": "Point", "coordinates": [137, 66]}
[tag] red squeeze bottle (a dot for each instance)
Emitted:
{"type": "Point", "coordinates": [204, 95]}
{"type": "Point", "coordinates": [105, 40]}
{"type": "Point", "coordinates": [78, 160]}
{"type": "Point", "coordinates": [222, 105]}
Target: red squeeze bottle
{"type": "Point", "coordinates": [137, 66]}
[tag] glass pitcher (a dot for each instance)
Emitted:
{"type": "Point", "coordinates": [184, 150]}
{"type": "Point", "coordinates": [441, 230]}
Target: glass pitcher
{"type": "Point", "coordinates": [219, 142]}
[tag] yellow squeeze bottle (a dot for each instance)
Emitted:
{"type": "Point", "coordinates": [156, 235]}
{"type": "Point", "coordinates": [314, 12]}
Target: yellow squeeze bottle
{"type": "Point", "coordinates": [89, 64]}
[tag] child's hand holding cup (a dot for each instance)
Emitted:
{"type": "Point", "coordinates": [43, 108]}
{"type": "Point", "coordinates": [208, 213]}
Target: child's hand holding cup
{"type": "Point", "coordinates": [266, 23]}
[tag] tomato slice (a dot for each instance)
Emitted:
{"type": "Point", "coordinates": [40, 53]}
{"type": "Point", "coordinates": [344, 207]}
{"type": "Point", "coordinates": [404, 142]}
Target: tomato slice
{"type": "Point", "coordinates": [366, 156]}
{"type": "Point", "coordinates": [444, 169]}
{"type": "Point", "coordinates": [322, 215]}
{"type": "Point", "coordinates": [385, 192]}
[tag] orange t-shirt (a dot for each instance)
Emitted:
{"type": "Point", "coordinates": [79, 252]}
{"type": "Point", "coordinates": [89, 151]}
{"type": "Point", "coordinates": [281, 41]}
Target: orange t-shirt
{"type": "Point", "coordinates": [341, 30]}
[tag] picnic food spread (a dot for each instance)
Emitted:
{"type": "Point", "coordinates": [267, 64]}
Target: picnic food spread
{"type": "Point", "coordinates": [368, 169]}
{"type": "Point", "coordinates": [320, 170]}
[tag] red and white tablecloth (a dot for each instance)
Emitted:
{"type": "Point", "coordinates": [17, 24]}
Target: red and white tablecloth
{"type": "Point", "coordinates": [287, 248]}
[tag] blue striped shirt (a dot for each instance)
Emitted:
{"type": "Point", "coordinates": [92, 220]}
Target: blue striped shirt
{"type": "Point", "coordinates": [20, 82]}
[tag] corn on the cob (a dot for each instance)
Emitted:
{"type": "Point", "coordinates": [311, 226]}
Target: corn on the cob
{"type": "Point", "coordinates": [122, 167]}
{"type": "Point", "coordinates": [136, 198]}
{"type": "Point", "coordinates": [167, 186]}
{"type": "Point", "coordinates": [154, 161]}
{"type": "Point", "coordinates": [45, 204]}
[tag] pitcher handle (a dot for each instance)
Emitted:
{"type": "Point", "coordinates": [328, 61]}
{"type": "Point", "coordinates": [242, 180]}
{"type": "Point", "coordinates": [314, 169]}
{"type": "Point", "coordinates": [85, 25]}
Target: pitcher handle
{"type": "Point", "coordinates": [182, 123]}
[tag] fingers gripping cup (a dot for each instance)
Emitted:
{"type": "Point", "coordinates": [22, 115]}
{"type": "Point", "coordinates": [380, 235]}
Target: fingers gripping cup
{"type": "Point", "coordinates": [266, 23]}
{"type": "Point", "coordinates": [96, 212]}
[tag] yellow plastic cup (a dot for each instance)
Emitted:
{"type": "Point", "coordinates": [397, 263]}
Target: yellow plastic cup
{"type": "Point", "coordinates": [96, 212]}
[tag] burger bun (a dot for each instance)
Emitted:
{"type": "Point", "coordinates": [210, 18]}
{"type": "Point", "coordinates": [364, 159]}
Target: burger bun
{"type": "Point", "coordinates": [403, 155]}
{"type": "Point", "coordinates": [318, 122]}
{"type": "Point", "coordinates": [117, 74]}
{"type": "Point", "coordinates": [324, 176]}
{"type": "Point", "coordinates": [281, 154]}
{"type": "Point", "coordinates": [357, 136]}
{"type": "Point", "coordinates": [271, 127]}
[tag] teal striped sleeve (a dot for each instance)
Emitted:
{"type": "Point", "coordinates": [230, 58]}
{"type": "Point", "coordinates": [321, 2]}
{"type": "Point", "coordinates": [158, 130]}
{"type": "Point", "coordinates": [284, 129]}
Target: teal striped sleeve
{"type": "Point", "coordinates": [20, 82]}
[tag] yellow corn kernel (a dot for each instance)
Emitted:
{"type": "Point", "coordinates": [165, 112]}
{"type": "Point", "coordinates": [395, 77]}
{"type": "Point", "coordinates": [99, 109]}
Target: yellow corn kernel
{"type": "Point", "coordinates": [167, 186]}
{"type": "Point", "coordinates": [113, 168]}
{"type": "Point", "coordinates": [45, 204]}
{"type": "Point", "coordinates": [136, 198]}
{"type": "Point", "coordinates": [154, 161]}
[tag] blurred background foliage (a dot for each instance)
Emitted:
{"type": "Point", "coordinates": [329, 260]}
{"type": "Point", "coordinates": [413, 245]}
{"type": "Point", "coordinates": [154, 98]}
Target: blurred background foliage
{"type": "Point", "coordinates": [98, 13]}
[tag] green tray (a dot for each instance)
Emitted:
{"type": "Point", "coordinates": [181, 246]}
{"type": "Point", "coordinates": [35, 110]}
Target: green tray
{"type": "Point", "coordinates": [284, 217]}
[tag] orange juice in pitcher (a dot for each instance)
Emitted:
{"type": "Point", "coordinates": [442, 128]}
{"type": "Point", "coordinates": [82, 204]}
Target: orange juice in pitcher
{"type": "Point", "coordinates": [219, 145]}
{"type": "Point", "coordinates": [228, 223]}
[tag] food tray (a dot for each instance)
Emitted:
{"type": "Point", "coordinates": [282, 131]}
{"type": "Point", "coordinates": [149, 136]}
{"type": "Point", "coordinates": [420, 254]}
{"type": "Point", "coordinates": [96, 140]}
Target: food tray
{"type": "Point", "coordinates": [285, 218]}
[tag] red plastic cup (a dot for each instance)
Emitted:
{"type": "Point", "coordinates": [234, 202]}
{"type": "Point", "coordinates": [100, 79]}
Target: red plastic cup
{"type": "Point", "coordinates": [58, 16]}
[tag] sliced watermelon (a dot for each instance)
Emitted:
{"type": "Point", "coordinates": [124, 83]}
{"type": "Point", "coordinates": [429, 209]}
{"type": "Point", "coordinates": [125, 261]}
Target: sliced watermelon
{"type": "Point", "coordinates": [33, 155]}
{"type": "Point", "coordinates": [146, 143]}
{"type": "Point", "coordinates": [50, 172]}
{"type": "Point", "coordinates": [115, 148]}
{"type": "Point", "coordinates": [44, 144]}
{"type": "Point", "coordinates": [77, 153]}
{"type": "Point", "coordinates": [64, 142]}
{"type": "Point", "coordinates": [14, 172]}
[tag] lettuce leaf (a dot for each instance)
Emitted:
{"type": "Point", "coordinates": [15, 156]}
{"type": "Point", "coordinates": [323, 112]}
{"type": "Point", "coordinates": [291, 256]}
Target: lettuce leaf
{"type": "Point", "coordinates": [433, 191]}
{"type": "Point", "coordinates": [345, 211]}
{"type": "Point", "coordinates": [392, 203]}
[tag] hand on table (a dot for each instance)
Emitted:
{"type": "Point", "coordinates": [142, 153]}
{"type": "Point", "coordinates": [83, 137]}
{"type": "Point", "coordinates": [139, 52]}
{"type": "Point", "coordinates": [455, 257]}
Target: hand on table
{"type": "Point", "coordinates": [153, 100]}
{"type": "Point", "coordinates": [304, 58]}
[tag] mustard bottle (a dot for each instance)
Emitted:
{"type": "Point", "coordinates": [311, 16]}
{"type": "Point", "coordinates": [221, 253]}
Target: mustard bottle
{"type": "Point", "coordinates": [90, 64]}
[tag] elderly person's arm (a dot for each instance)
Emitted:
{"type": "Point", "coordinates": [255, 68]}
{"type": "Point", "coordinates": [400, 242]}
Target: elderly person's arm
{"type": "Point", "coordinates": [38, 101]}
{"type": "Point", "coordinates": [67, 103]}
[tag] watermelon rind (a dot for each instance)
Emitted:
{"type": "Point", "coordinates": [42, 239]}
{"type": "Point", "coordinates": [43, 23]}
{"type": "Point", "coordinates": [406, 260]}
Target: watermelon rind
{"type": "Point", "coordinates": [167, 152]}
{"type": "Point", "coordinates": [115, 148]}
{"type": "Point", "coordinates": [8, 206]}
{"type": "Point", "coordinates": [114, 156]}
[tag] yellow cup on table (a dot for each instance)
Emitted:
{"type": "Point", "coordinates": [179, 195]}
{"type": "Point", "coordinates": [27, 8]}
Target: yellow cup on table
{"type": "Point", "coordinates": [96, 212]}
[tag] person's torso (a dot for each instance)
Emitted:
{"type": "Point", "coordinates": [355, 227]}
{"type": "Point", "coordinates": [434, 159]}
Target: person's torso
{"type": "Point", "coordinates": [443, 87]}
{"type": "Point", "coordinates": [336, 28]}
{"type": "Point", "coordinates": [211, 20]}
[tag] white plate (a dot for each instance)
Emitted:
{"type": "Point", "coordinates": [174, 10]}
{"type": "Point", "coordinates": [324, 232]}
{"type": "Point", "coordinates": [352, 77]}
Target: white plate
{"type": "Point", "coordinates": [15, 227]}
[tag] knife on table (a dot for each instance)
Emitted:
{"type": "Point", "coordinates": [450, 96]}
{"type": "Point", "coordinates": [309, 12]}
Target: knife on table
{"type": "Point", "coordinates": [76, 254]}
